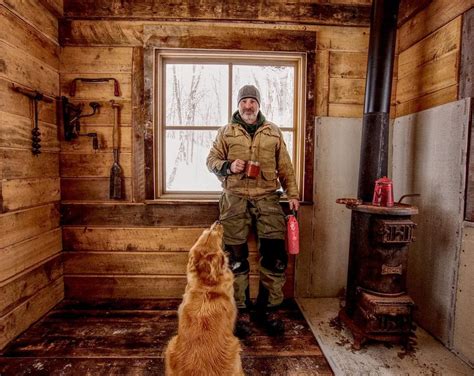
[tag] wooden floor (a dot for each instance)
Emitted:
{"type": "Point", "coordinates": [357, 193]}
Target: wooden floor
{"type": "Point", "coordinates": [106, 338]}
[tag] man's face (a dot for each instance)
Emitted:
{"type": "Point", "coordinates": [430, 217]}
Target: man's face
{"type": "Point", "coordinates": [248, 110]}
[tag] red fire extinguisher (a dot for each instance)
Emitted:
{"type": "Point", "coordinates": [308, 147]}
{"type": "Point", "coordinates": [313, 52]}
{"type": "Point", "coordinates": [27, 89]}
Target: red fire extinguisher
{"type": "Point", "coordinates": [292, 234]}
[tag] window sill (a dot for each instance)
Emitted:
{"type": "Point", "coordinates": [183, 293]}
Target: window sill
{"type": "Point", "coordinates": [209, 201]}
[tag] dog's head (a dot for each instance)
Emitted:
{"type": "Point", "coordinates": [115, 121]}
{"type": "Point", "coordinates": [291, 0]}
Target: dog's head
{"type": "Point", "coordinates": [207, 261]}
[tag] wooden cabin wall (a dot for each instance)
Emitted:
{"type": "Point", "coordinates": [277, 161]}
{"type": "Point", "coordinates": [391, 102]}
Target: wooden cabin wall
{"type": "Point", "coordinates": [435, 67]}
{"type": "Point", "coordinates": [429, 50]}
{"type": "Point", "coordinates": [31, 276]}
{"type": "Point", "coordinates": [127, 249]}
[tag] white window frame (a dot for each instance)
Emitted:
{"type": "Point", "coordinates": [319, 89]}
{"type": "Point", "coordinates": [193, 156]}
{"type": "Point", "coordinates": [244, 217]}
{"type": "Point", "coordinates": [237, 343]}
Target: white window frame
{"type": "Point", "coordinates": [298, 60]}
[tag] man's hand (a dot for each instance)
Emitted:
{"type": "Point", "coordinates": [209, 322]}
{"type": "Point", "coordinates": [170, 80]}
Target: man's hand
{"type": "Point", "coordinates": [237, 166]}
{"type": "Point", "coordinates": [294, 204]}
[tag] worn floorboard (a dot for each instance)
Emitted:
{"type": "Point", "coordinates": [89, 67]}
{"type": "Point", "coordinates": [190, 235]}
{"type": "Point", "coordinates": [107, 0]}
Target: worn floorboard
{"type": "Point", "coordinates": [126, 338]}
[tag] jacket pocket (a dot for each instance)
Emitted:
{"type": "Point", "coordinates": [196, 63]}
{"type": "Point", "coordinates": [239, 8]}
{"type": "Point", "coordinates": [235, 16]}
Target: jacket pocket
{"type": "Point", "coordinates": [269, 180]}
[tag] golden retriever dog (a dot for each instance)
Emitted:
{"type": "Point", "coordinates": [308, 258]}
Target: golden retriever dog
{"type": "Point", "coordinates": [205, 344]}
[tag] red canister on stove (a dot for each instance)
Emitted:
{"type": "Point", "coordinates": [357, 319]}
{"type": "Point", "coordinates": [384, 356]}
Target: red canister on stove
{"type": "Point", "coordinates": [383, 192]}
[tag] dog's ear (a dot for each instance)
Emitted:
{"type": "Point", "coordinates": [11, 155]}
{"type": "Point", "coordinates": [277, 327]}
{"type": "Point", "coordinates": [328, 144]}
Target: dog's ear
{"type": "Point", "coordinates": [209, 267]}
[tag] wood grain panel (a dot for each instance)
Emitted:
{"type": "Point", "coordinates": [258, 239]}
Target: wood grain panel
{"type": "Point", "coordinates": [23, 193]}
{"type": "Point", "coordinates": [104, 136]}
{"type": "Point", "coordinates": [130, 287]}
{"type": "Point", "coordinates": [187, 36]}
{"type": "Point", "coordinates": [16, 133]}
{"type": "Point", "coordinates": [97, 91]}
{"type": "Point", "coordinates": [18, 104]}
{"type": "Point", "coordinates": [21, 225]}
{"type": "Point", "coordinates": [164, 214]}
{"type": "Point", "coordinates": [347, 64]}
{"type": "Point", "coordinates": [139, 109]}
{"type": "Point", "coordinates": [322, 82]}
{"type": "Point", "coordinates": [346, 110]}
{"type": "Point", "coordinates": [100, 33]}
{"type": "Point", "coordinates": [93, 165]}
{"type": "Point", "coordinates": [35, 14]}
{"type": "Point", "coordinates": [23, 164]}
{"type": "Point", "coordinates": [435, 75]}
{"type": "Point", "coordinates": [436, 45]}
{"type": "Point", "coordinates": [466, 69]}
{"type": "Point", "coordinates": [26, 285]}
{"type": "Point", "coordinates": [262, 11]}
{"type": "Point", "coordinates": [409, 8]}
{"type": "Point", "coordinates": [139, 263]}
{"type": "Point", "coordinates": [17, 66]}
{"type": "Point", "coordinates": [21, 256]}
{"type": "Point", "coordinates": [161, 239]}
{"type": "Point", "coordinates": [96, 60]}
{"type": "Point", "coordinates": [431, 18]}
{"type": "Point", "coordinates": [346, 90]}
{"type": "Point", "coordinates": [30, 311]}
{"type": "Point", "coordinates": [343, 38]}
{"type": "Point", "coordinates": [445, 95]}
{"type": "Point", "coordinates": [19, 34]}
{"type": "Point", "coordinates": [92, 189]}
{"type": "Point", "coordinates": [56, 7]}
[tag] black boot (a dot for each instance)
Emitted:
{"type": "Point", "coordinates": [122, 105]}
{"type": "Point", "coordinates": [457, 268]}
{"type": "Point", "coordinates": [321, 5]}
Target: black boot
{"type": "Point", "coordinates": [270, 322]}
{"type": "Point", "coordinates": [242, 325]}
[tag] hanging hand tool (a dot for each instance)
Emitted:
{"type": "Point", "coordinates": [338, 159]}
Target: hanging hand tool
{"type": "Point", "coordinates": [72, 126]}
{"type": "Point", "coordinates": [35, 96]}
{"type": "Point", "coordinates": [72, 88]}
{"type": "Point", "coordinates": [116, 170]}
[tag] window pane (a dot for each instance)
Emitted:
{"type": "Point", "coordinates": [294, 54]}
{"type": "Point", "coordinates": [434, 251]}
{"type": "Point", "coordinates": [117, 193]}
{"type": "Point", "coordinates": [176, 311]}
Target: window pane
{"type": "Point", "coordinates": [196, 94]}
{"type": "Point", "coordinates": [276, 86]}
{"type": "Point", "coordinates": [288, 137]}
{"type": "Point", "coordinates": [186, 153]}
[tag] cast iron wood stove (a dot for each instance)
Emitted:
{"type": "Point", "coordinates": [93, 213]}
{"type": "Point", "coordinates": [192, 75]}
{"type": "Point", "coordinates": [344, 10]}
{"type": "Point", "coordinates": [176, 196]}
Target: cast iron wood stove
{"type": "Point", "coordinates": [377, 305]}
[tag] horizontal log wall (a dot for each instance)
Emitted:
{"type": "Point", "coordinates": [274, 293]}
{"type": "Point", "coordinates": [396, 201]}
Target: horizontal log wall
{"type": "Point", "coordinates": [126, 250]}
{"type": "Point", "coordinates": [429, 49]}
{"type": "Point", "coordinates": [31, 272]}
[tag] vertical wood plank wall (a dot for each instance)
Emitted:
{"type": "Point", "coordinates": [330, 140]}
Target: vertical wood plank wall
{"type": "Point", "coordinates": [31, 276]}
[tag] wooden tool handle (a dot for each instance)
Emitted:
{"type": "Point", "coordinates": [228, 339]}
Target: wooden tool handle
{"type": "Point", "coordinates": [115, 134]}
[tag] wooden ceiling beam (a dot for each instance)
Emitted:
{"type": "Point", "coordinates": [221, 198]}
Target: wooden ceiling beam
{"type": "Point", "coordinates": [264, 11]}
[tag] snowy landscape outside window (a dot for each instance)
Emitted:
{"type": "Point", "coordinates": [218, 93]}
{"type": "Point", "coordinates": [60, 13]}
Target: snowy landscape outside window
{"type": "Point", "coordinates": [198, 96]}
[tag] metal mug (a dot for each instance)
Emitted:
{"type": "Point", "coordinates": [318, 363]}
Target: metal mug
{"type": "Point", "coordinates": [252, 169]}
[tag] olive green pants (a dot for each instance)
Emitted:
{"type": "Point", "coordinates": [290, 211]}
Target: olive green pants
{"type": "Point", "coordinates": [238, 215]}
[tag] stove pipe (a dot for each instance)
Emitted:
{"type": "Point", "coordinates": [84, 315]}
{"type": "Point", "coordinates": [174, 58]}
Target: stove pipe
{"type": "Point", "coordinates": [374, 144]}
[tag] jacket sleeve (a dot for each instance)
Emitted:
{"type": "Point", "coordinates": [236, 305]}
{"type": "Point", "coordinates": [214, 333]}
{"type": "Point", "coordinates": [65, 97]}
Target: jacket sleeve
{"type": "Point", "coordinates": [217, 162]}
{"type": "Point", "coordinates": [286, 173]}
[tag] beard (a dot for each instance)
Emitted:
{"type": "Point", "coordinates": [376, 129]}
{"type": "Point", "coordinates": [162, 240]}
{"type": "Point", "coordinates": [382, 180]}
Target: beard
{"type": "Point", "coordinates": [250, 117]}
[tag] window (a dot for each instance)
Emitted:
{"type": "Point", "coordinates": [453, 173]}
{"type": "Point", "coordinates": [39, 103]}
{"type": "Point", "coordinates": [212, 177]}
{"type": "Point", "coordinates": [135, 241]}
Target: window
{"type": "Point", "coordinates": [197, 94]}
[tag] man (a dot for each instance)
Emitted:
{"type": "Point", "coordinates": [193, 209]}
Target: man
{"type": "Point", "coordinates": [248, 200]}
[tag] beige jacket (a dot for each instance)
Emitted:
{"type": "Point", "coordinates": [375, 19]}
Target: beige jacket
{"type": "Point", "coordinates": [267, 147]}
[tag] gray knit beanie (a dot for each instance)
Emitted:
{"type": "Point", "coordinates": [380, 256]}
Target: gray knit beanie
{"type": "Point", "coordinates": [248, 91]}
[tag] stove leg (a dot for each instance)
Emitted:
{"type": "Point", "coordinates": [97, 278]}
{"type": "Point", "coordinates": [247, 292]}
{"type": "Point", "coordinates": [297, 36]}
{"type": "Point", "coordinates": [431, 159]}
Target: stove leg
{"type": "Point", "coordinates": [359, 340]}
